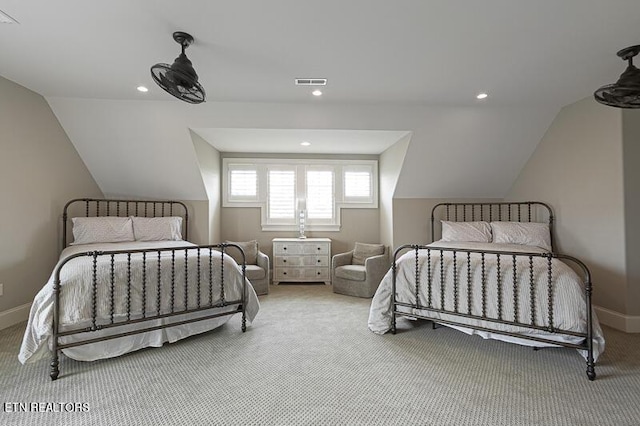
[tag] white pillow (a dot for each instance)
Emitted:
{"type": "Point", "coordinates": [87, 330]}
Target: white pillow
{"type": "Point", "coordinates": [157, 228]}
{"type": "Point", "coordinates": [524, 233]}
{"type": "Point", "coordinates": [106, 229]}
{"type": "Point", "coordinates": [479, 232]}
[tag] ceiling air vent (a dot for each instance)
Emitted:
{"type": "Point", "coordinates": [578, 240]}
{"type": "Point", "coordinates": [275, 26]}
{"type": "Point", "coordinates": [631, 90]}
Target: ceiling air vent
{"type": "Point", "coordinates": [6, 19]}
{"type": "Point", "coordinates": [311, 81]}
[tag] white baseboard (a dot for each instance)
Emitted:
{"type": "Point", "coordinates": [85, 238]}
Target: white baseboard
{"type": "Point", "coordinates": [14, 315]}
{"type": "Point", "coordinates": [622, 322]}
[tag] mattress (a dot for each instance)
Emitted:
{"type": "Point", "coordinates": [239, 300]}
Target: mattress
{"type": "Point", "coordinates": [76, 298]}
{"type": "Point", "coordinates": [569, 309]}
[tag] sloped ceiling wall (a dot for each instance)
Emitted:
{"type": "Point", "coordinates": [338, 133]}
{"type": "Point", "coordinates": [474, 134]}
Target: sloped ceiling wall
{"type": "Point", "coordinates": [144, 148]}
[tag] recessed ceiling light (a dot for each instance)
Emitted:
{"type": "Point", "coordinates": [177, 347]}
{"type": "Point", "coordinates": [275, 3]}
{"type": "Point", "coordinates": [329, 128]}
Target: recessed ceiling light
{"type": "Point", "coordinates": [317, 92]}
{"type": "Point", "coordinates": [142, 89]}
{"type": "Point", "coordinates": [305, 143]}
{"type": "Point", "coordinates": [482, 96]}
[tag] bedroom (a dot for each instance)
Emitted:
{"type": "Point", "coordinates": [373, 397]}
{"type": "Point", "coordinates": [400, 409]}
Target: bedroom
{"type": "Point", "coordinates": [539, 135]}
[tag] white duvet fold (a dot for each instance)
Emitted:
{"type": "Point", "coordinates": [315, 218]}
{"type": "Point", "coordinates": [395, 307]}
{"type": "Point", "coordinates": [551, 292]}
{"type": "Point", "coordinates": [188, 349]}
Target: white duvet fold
{"type": "Point", "coordinates": [569, 301]}
{"type": "Point", "coordinates": [77, 294]}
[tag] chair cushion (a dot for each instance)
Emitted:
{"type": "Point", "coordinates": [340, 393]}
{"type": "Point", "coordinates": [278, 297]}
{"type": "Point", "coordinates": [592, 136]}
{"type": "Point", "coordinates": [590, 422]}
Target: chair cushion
{"type": "Point", "coordinates": [364, 251]}
{"type": "Point", "coordinates": [255, 272]}
{"type": "Point", "coordinates": [250, 251]}
{"type": "Point", "coordinates": [351, 272]}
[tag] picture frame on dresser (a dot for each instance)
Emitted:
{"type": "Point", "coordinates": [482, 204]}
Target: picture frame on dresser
{"type": "Point", "coordinates": [301, 260]}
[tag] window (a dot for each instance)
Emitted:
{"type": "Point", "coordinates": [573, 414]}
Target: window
{"type": "Point", "coordinates": [358, 185]}
{"type": "Point", "coordinates": [282, 187]}
{"type": "Point", "coordinates": [242, 182]}
{"type": "Point", "coordinates": [319, 195]}
{"type": "Point", "coordinates": [282, 196]}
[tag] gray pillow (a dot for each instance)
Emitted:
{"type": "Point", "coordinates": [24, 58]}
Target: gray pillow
{"type": "Point", "coordinates": [250, 251]}
{"type": "Point", "coordinates": [364, 251]}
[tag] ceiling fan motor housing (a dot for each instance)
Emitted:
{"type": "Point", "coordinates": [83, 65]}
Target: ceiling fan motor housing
{"type": "Point", "coordinates": [180, 78]}
{"type": "Point", "coordinates": [625, 93]}
{"type": "Point", "coordinates": [182, 68]}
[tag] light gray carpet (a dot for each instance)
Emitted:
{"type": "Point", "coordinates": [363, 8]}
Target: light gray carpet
{"type": "Point", "coordinates": [310, 359]}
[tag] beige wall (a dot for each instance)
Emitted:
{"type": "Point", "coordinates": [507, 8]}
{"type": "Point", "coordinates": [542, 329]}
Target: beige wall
{"type": "Point", "coordinates": [209, 163]}
{"type": "Point", "coordinates": [243, 224]}
{"type": "Point", "coordinates": [412, 218]}
{"type": "Point", "coordinates": [631, 158]}
{"type": "Point", "coordinates": [578, 169]}
{"type": "Point", "coordinates": [39, 172]}
{"type": "Point", "coordinates": [199, 221]}
{"type": "Point", "coordinates": [389, 169]}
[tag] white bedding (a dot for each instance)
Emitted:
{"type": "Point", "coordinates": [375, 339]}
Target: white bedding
{"type": "Point", "coordinates": [569, 311]}
{"type": "Point", "coordinates": [76, 300]}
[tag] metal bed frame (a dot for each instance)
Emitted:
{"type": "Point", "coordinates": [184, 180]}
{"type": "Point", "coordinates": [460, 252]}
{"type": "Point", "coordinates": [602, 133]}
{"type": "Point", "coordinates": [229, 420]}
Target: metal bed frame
{"type": "Point", "coordinates": [510, 211]}
{"type": "Point", "coordinates": [150, 208]}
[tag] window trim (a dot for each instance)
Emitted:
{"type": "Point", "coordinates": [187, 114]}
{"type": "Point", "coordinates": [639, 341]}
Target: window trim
{"type": "Point", "coordinates": [339, 167]}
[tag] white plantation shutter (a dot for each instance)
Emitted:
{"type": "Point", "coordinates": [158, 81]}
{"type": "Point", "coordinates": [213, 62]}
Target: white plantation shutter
{"type": "Point", "coordinates": [282, 194]}
{"type": "Point", "coordinates": [244, 183]}
{"type": "Point", "coordinates": [320, 194]}
{"type": "Point", "coordinates": [280, 188]}
{"type": "Point", "coordinates": [357, 184]}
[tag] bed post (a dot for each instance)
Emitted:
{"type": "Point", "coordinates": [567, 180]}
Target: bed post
{"type": "Point", "coordinates": [55, 371]}
{"type": "Point", "coordinates": [393, 297]}
{"type": "Point", "coordinates": [591, 371]}
{"type": "Point", "coordinates": [244, 292]}
{"type": "Point", "coordinates": [393, 287]}
{"type": "Point", "coordinates": [432, 224]}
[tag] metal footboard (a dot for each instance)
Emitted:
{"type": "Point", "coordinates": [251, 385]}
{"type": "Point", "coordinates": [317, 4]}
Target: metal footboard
{"type": "Point", "coordinates": [209, 300]}
{"type": "Point", "coordinates": [434, 295]}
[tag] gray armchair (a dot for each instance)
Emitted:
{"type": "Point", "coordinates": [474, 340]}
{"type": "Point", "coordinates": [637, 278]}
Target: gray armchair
{"type": "Point", "coordinates": [257, 265]}
{"type": "Point", "coordinates": [358, 272]}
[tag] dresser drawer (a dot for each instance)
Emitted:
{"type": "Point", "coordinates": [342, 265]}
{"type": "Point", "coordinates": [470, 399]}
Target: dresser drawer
{"type": "Point", "coordinates": [288, 274]}
{"type": "Point", "coordinates": [302, 274]}
{"type": "Point", "coordinates": [316, 274]}
{"type": "Point", "coordinates": [287, 248]}
{"type": "Point", "coordinates": [289, 261]}
{"type": "Point", "coordinates": [317, 248]}
{"type": "Point", "coordinates": [298, 261]}
{"type": "Point", "coordinates": [301, 248]}
{"type": "Point", "coordinates": [318, 261]}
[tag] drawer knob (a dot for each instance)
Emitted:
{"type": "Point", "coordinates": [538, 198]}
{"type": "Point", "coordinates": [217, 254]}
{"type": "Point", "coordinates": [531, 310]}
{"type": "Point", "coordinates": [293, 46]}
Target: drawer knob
{"type": "Point", "coordinates": [318, 260]}
{"type": "Point", "coordinates": [284, 248]}
{"type": "Point", "coordinates": [318, 272]}
{"type": "Point", "coordinates": [318, 248]}
{"type": "Point", "coordinates": [284, 273]}
{"type": "Point", "coordinates": [285, 260]}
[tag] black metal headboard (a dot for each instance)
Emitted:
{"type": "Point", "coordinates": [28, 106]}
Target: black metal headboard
{"type": "Point", "coordinates": [97, 207]}
{"type": "Point", "coordinates": [517, 211]}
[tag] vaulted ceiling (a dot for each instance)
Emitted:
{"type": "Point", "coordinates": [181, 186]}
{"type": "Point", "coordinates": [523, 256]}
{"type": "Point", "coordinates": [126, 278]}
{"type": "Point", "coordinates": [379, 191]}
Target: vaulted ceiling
{"type": "Point", "coordinates": [402, 66]}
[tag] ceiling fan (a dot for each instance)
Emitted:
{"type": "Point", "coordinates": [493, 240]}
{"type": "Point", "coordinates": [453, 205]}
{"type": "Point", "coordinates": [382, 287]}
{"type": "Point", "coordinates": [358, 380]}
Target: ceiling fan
{"type": "Point", "coordinates": [624, 93]}
{"type": "Point", "coordinates": [180, 79]}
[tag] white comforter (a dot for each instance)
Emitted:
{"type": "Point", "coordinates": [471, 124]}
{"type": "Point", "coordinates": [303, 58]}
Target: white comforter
{"type": "Point", "coordinates": [76, 299]}
{"type": "Point", "coordinates": [569, 311]}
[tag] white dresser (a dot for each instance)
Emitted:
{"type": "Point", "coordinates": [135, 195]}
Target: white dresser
{"type": "Point", "coordinates": [301, 260]}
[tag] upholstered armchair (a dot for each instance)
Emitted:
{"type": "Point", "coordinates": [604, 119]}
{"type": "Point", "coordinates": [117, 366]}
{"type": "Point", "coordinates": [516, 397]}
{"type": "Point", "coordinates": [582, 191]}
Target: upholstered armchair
{"type": "Point", "coordinates": [358, 272]}
{"type": "Point", "coordinates": [257, 264]}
